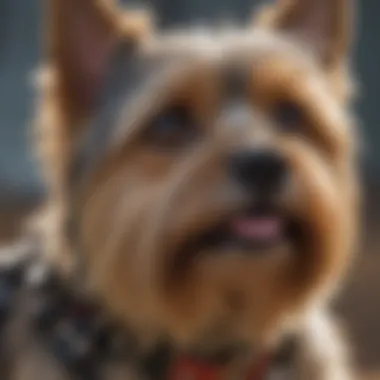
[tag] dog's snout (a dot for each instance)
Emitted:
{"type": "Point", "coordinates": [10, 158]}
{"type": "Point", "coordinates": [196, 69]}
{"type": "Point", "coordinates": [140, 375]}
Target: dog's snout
{"type": "Point", "coordinates": [262, 171]}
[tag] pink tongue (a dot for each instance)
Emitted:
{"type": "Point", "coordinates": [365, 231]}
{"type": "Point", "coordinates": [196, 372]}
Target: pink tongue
{"type": "Point", "coordinates": [258, 228]}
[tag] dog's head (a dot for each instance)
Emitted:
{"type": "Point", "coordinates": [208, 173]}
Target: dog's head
{"type": "Point", "coordinates": [215, 195]}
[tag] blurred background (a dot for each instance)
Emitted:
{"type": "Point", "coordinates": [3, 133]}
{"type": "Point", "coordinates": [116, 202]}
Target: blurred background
{"type": "Point", "coordinates": [21, 189]}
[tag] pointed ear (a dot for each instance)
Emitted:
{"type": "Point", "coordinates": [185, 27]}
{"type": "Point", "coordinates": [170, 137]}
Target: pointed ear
{"type": "Point", "coordinates": [82, 36]}
{"type": "Point", "coordinates": [325, 26]}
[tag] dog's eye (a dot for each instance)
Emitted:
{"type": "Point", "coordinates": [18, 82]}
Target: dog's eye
{"type": "Point", "coordinates": [172, 128]}
{"type": "Point", "coordinates": [288, 116]}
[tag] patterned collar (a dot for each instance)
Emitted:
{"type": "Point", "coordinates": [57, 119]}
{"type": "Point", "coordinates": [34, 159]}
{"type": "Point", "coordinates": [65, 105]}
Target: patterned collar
{"type": "Point", "coordinates": [75, 330]}
{"type": "Point", "coordinates": [82, 338]}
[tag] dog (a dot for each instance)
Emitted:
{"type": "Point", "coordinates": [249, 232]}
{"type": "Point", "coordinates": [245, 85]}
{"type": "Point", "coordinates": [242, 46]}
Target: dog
{"type": "Point", "coordinates": [202, 198]}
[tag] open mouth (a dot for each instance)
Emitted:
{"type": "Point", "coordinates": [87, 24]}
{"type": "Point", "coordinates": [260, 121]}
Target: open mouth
{"type": "Point", "coordinates": [251, 231]}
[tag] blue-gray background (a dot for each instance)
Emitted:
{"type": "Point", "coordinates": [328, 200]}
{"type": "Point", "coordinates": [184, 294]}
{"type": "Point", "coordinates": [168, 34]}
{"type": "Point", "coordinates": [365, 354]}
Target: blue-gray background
{"type": "Point", "coordinates": [20, 29]}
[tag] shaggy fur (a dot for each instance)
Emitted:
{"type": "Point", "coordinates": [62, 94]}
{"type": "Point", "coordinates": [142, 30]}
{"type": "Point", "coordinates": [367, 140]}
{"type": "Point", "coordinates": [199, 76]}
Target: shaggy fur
{"type": "Point", "coordinates": [148, 196]}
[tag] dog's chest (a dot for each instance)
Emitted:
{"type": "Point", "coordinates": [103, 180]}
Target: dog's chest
{"type": "Point", "coordinates": [49, 332]}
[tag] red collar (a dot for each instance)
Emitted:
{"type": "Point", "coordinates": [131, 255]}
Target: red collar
{"type": "Point", "coordinates": [190, 369]}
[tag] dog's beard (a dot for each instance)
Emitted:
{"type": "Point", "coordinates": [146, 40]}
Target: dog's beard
{"type": "Point", "coordinates": [190, 258]}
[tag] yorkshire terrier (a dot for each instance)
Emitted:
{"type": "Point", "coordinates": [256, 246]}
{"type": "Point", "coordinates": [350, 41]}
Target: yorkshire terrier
{"type": "Point", "coordinates": [203, 198]}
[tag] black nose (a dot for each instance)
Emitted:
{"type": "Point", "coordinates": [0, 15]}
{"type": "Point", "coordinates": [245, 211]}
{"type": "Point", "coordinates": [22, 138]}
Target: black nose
{"type": "Point", "coordinates": [262, 171]}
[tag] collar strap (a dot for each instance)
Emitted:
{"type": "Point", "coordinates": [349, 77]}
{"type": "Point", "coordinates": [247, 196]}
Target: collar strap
{"type": "Point", "coordinates": [191, 369]}
{"type": "Point", "coordinates": [82, 338]}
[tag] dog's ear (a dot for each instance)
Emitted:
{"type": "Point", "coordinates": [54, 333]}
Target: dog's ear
{"type": "Point", "coordinates": [325, 26]}
{"type": "Point", "coordinates": [82, 35]}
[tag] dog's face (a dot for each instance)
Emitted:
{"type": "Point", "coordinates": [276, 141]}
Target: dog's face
{"type": "Point", "coordinates": [223, 196]}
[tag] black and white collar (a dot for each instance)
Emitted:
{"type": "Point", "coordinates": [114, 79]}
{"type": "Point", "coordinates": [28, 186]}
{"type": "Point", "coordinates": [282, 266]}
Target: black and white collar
{"type": "Point", "coordinates": [80, 335]}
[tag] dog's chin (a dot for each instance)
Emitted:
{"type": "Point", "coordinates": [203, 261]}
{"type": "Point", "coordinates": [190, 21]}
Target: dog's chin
{"type": "Point", "coordinates": [251, 233]}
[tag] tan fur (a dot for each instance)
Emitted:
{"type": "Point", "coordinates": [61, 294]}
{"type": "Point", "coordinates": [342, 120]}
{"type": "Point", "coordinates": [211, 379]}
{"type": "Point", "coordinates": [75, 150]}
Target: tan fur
{"type": "Point", "coordinates": [141, 205]}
